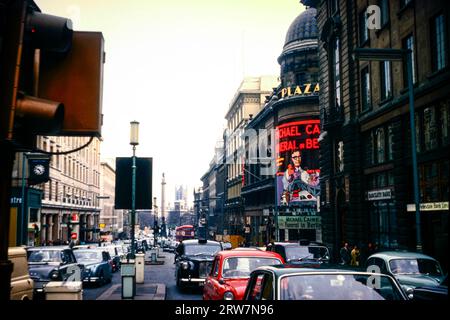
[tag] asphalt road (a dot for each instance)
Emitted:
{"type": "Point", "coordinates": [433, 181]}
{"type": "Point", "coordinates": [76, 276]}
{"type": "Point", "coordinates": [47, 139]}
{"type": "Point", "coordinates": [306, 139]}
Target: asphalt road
{"type": "Point", "coordinates": [164, 274]}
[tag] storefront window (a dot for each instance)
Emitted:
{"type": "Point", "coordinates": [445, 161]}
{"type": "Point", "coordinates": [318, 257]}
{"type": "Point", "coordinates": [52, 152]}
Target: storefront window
{"type": "Point", "coordinates": [384, 223]}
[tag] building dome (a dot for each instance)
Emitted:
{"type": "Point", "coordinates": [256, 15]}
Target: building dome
{"type": "Point", "coordinates": [302, 33]}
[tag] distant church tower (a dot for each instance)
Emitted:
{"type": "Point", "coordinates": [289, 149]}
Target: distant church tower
{"type": "Point", "coordinates": [163, 197]}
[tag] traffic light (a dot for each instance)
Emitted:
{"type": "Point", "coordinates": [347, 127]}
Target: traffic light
{"type": "Point", "coordinates": [60, 75]}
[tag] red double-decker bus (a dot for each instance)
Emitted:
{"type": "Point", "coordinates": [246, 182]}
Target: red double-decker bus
{"type": "Point", "coordinates": [184, 232]}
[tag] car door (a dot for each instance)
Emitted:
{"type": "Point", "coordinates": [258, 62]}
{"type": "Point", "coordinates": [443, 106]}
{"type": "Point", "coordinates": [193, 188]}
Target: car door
{"type": "Point", "coordinates": [211, 287]}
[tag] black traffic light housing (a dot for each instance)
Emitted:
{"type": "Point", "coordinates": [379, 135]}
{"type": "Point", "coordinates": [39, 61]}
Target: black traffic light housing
{"type": "Point", "coordinates": [34, 115]}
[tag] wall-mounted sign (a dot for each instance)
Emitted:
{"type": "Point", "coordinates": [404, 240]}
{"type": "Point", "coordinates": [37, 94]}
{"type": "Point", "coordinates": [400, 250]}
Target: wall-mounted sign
{"type": "Point", "coordinates": [382, 194]}
{"type": "Point", "coordinates": [430, 206]}
{"type": "Point", "coordinates": [300, 90]}
{"type": "Point", "coordinates": [299, 222]}
{"type": "Point", "coordinates": [297, 151]}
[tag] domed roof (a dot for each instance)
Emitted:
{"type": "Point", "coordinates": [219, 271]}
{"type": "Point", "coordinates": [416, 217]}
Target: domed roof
{"type": "Point", "coordinates": [303, 27]}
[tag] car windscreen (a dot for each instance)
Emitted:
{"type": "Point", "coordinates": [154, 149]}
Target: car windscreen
{"type": "Point", "coordinates": [415, 266]}
{"type": "Point", "coordinates": [338, 287]}
{"type": "Point", "coordinates": [88, 256]}
{"type": "Point", "coordinates": [298, 253]}
{"type": "Point", "coordinates": [319, 252]}
{"type": "Point", "coordinates": [201, 249]}
{"type": "Point", "coordinates": [44, 256]}
{"type": "Point", "coordinates": [240, 267]}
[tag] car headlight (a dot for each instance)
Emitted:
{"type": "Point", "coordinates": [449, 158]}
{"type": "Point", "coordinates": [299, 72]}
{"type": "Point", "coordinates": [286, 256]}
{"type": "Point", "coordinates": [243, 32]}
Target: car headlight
{"type": "Point", "coordinates": [54, 274]}
{"type": "Point", "coordinates": [409, 291]}
{"type": "Point", "coordinates": [228, 295]}
{"type": "Point", "coordinates": [185, 265]}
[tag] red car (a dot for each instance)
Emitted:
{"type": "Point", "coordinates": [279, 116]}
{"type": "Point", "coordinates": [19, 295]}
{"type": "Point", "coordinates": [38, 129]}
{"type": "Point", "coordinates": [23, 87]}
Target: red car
{"type": "Point", "coordinates": [231, 270]}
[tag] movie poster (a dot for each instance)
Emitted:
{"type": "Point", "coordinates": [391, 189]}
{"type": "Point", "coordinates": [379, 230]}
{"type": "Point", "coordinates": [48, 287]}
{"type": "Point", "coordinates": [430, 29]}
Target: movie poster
{"type": "Point", "coordinates": [298, 173]}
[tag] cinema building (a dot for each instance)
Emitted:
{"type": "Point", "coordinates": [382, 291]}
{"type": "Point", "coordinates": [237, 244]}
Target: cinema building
{"type": "Point", "coordinates": [281, 200]}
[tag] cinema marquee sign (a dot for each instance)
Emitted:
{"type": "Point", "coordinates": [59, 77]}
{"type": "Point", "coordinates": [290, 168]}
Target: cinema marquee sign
{"type": "Point", "coordinates": [300, 90]}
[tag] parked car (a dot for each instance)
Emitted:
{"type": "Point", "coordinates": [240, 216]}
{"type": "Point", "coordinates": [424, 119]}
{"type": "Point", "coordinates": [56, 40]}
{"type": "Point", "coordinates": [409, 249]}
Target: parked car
{"type": "Point", "coordinates": [193, 261]}
{"type": "Point", "coordinates": [231, 270]}
{"type": "Point", "coordinates": [115, 256]}
{"type": "Point", "coordinates": [97, 267]}
{"type": "Point", "coordinates": [21, 282]}
{"type": "Point", "coordinates": [411, 269]}
{"type": "Point", "coordinates": [287, 282]}
{"type": "Point", "coordinates": [295, 253]}
{"type": "Point", "coordinates": [52, 263]}
{"type": "Point", "coordinates": [227, 245]}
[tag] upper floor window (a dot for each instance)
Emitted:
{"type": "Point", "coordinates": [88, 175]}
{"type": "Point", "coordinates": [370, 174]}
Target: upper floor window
{"type": "Point", "coordinates": [365, 89]}
{"type": "Point", "coordinates": [334, 6]}
{"type": "Point", "coordinates": [363, 30]}
{"type": "Point", "coordinates": [408, 43]}
{"type": "Point", "coordinates": [380, 145]}
{"type": "Point", "coordinates": [384, 8]}
{"type": "Point", "coordinates": [430, 128]}
{"type": "Point", "coordinates": [438, 43]}
{"type": "Point", "coordinates": [404, 3]}
{"type": "Point", "coordinates": [386, 80]}
{"type": "Point", "coordinates": [337, 69]}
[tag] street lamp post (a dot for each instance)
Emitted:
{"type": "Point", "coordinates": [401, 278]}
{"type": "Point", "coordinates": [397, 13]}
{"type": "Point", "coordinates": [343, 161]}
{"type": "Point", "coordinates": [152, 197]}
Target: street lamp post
{"type": "Point", "coordinates": [389, 54]}
{"type": "Point", "coordinates": [134, 141]}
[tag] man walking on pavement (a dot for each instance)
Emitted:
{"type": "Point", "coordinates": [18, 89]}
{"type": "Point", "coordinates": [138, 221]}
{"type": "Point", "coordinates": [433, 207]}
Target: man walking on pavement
{"type": "Point", "coordinates": [345, 254]}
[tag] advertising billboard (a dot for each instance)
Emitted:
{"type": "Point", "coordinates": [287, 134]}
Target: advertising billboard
{"type": "Point", "coordinates": [297, 178]}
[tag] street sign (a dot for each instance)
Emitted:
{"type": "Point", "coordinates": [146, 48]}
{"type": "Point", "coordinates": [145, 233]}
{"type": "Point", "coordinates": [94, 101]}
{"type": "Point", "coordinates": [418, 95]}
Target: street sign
{"type": "Point", "coordinates": [430, 206]}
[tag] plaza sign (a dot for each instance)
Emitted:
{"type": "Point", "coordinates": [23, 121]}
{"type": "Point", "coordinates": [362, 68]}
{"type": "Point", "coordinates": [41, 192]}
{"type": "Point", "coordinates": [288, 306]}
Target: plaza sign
{"type": "Point", "coordinates": [300, 90]}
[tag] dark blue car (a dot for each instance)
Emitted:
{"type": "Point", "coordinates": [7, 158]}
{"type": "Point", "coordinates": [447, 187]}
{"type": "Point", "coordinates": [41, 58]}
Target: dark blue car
{"type": "Point", "coordinates": [97, 267]}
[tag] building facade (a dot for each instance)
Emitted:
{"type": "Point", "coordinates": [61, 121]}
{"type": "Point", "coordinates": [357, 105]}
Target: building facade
{"type": "Point", "coordinates": [247, 102]}
{"type": "Point", "coordinates": [366, 167]}
{"type": "Point", "coordinates": [278, 204]}
{"type": "Point", "coordinates": [111, 220]}
{"type": "Point", "coordinates": [70, 205]}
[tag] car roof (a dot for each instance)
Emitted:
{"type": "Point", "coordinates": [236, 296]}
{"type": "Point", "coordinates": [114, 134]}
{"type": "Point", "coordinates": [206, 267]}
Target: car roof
{"type": "Point", "coordinates": [48, 248]}
{"type": "Point", "coordinates": [400, 255]}
{"type": "Point", "coordinates": [248, 253]}
{"type": "Point", "coordinates": [197, 241]}
{"type": "Point", "coordinates": [289, 269]}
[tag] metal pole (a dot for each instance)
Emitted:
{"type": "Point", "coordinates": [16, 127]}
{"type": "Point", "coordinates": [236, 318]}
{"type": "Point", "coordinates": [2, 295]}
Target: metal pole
{"type": "Point", "coordinates": [133, 201]}
{"type": "Point", "coordinates": [413, 149]}
{"type": "Point", "coordinates": [22, 206]}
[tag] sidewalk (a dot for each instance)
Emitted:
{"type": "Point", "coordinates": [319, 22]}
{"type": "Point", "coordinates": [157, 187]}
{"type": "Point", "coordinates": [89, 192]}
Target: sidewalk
{"type": "Point", "coordinates": [144, 291]}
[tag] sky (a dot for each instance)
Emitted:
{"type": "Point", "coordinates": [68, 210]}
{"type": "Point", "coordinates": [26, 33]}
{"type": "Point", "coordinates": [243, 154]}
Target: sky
{"type": "Point", "coordinates": [174, 66]}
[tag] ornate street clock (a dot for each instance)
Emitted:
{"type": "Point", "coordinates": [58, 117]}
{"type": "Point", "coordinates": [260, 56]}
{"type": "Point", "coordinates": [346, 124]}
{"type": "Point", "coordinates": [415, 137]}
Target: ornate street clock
{"type": "Point", "coordinates": [38, 170]}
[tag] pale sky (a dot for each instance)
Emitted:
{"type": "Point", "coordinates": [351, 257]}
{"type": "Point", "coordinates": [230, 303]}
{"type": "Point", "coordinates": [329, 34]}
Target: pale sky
{"type": "Point", "coordinates": [174, 66]}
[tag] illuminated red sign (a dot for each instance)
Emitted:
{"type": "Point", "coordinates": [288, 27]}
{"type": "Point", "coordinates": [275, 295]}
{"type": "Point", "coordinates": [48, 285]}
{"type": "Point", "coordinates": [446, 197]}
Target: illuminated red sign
{"type": "Point", "coordinates": [74, 236]}
{"type": "Point", "coordinates": [297, 149]}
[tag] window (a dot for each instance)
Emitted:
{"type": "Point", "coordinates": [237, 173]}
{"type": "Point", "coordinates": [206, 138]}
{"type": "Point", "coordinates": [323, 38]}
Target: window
{"type": "Point", "coordinates": [390, 142]}
{"type": "Point", "coordinates": [404, 3]}
{"type": "Point", "coordinates": [340, 156]}
{"type": "Point", "coordinates": [337, 77]}
{"type": "Point", "coordinates": [334, 5]}
{"type": "Point", "coordinates": [50, 196]}
{"type": "Point", "coordinates": [430, 129]}
{"type": "Point", "coordinates": [56, 191]}
{"type": "Point", "coordinates": [408, 43]}
{"type": "Point", "coordinates": [365, 89]}
{"type": "Point", "coordinates": [386, 80]}
{"type": "Point", "coordinates": [384, 8]}
{"type": "Point", "coordinates": [444, 122]}
{"type": "Point", "coordinates": [380, 146]}
{"type": "Point", "coordinates": [363, 30]}
{"type": "Point", "coordinates": [438, 43]}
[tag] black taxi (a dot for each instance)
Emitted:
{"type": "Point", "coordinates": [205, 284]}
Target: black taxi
{"type": "Point", "coordinates": [193, 261]}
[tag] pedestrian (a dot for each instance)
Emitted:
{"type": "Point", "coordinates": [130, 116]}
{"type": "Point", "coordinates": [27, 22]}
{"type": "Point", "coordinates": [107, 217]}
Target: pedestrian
{"type": "Point", "coordinates": [345, 254]}
{"type": "Point", "coordinates": [355, 256]}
